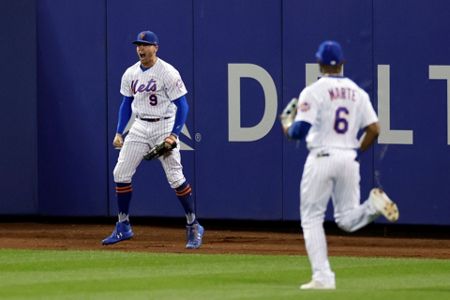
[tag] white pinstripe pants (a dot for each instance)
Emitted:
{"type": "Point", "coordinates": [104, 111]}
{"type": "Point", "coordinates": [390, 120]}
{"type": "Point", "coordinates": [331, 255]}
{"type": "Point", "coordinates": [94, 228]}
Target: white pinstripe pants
{"type": "Point", "coordinates": [335, 176]}
{"type": "Point", "coordinates": [144, 135]}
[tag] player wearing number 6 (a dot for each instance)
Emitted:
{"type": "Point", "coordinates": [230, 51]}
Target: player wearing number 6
{"type": "Point", "coordinates": [329, 114]}
{"type": "Point", "coordinates": [154, 92]}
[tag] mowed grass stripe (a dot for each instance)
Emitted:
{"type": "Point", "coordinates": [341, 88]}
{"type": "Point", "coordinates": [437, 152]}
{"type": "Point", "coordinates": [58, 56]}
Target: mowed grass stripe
{"type": "Point", "coordinates": [27, 274]}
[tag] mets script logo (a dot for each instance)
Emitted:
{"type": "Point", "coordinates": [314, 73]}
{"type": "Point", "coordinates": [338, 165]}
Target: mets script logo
{"type": "Point", "coordinates": [150, 86]}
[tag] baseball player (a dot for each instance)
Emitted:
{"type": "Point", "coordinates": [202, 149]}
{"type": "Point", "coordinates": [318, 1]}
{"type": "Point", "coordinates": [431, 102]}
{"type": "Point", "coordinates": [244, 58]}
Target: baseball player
{"type": "Point", "coordinates": [329, 114]}
{"type": "Point", "coordinates": [154, 92]}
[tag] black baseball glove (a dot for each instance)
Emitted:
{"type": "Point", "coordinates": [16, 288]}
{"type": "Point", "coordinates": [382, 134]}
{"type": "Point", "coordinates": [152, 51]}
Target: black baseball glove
{"type": "Point", "coordinates": [162, 149]}
{"type": "Point", "coordinates": [289, 113]}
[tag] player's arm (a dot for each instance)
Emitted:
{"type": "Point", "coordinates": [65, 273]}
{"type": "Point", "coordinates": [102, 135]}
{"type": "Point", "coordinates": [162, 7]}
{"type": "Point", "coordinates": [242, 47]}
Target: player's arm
{"type": "Point", "coordinates": [181, 115]}
{"type": "Point", "coordinates": [180, 118]}
{"type": "Point", "coordinates": [124, 117]}
{"type": "Point", "coordinates": [299, 130]}
{"type": "Point", "coordinates": [306, 112]}
{"type": "Point", "coordinates": [371, 132]}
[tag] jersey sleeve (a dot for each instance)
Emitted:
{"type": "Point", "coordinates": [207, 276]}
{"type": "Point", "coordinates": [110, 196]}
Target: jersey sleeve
{"type": "Point", "coordinates": [307, 107]}
{"type": "Point", "coordinates": [368, 114]}
{"type": "Point", "coordinates": [125, 85]}
{"type": "Point", "coordinates": [174, 85]}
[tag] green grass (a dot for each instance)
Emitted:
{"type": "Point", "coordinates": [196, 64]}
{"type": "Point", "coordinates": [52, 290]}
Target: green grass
{"type": "Point", "coordinates": [27, 274]}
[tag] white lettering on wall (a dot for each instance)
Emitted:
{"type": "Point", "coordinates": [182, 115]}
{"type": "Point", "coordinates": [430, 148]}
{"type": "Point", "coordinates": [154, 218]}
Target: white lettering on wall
{"type": "Point", "coordinates": [388, 135]}
{"type": "Point", "coordinates": [237, 133]}
{"type": "Point", "coordinates": [443, 73]}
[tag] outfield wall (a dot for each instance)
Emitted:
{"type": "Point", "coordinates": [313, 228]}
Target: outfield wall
{"type": "Point", "coordinates": [18, 118]}
{"type": "Point", "coordinates": [242, 61]}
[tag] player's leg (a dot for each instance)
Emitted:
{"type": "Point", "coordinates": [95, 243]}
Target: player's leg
{"type": "Point", "coordinates": [315, 190]}
{"type": "Point", "coordinates": [130, 157]}
{"type": "Point", "coordinates": [174, 173]}
{"type": "Point", "coordinates": [349, 214]}
{"type": "Point", "coordinates": [383, 204]}
{"type": "Point", "coordinates": [183, 190]}
{"type": "Point", "coordinates": [184, 195]}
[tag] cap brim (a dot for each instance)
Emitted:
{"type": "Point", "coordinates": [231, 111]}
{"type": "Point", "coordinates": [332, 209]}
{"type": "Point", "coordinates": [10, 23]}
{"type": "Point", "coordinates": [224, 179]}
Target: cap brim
{"type": "Point", "coordinates": [143, 42]}
{"type": "Point", "coordinates": [328, 64]}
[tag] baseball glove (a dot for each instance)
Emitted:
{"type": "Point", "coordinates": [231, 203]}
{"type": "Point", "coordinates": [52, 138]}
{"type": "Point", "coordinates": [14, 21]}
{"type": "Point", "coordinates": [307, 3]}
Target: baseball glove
{"type": "Point", "coordinates": [287, 117]}
{"type": "Point", "coordinates": [162, 149]}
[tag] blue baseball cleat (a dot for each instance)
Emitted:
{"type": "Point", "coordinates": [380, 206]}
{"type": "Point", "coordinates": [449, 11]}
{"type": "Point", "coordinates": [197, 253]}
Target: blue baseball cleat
{"type": "Point", "coordinates": [194, 235]}
{"type": "Point", "coordinates": [122, 232]}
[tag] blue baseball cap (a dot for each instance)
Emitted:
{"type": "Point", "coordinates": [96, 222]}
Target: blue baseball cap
{"type": "Point", "coordinates": [146, 37]}
{"type": "Point", "coordinates": [330, 53]}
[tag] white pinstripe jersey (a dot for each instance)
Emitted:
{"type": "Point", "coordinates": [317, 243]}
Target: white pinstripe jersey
{"type": "Point", "coordinates": [153, 89]}
{"type": "Point", "coordinates": [337, 108]}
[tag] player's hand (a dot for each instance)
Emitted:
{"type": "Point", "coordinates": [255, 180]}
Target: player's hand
{"type": "Point", "coordinates": [287, 117]}
{"type": "Point", "coordinates": [118, 141]}
{"type": "Point", "coordinates": [285, 129]}
{"type": "Point", "coordinates": [164, 149]}
{"type": "Point", "coordinates": [170, 141]}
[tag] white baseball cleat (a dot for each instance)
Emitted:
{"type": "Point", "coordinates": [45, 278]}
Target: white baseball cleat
{"type": "Point", "coordinates": [316, 285]}
{"type": "Point", "coordinates": [384, 205]}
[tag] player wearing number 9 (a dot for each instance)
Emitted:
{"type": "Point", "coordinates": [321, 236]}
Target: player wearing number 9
{"type": "Point", "coordinates": [154, 93]}
{"type": "Point", "coordinates": [330, 113]}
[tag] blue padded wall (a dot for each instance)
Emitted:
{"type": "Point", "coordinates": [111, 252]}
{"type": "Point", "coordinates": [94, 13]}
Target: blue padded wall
{"type": "Point", "coordinates": [242, 61]}
{"type": "Point", "coordinates": [18, 154]}
{"type": "Point", "coordinates": [72, 107]}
